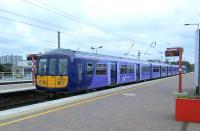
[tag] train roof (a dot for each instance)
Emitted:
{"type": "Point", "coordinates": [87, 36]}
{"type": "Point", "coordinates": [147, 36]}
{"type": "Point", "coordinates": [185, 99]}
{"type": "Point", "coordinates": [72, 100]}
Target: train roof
{"type": "Point", "coordinates": [80, 54]}
{"type": "Point", "coordinates": [86, 55]}
{"type": "Point", "coordinates": [156, 63]}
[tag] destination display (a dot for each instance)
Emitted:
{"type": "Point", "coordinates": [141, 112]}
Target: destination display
{"type": "Point", "coordinates": [172, 53]}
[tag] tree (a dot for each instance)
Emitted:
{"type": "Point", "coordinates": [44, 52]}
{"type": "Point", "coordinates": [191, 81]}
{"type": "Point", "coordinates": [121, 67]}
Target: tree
{"type": "Point", "coordinates": [5, 68]}
{"type": "Point", "coordinates": [1, 68]}
{"type": "Point", "coordinates": [189, 66]}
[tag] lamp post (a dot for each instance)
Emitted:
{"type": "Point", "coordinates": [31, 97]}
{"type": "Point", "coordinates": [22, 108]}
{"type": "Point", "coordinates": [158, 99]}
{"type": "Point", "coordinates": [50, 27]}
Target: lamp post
{"type": "Point", "coordinates": [161, 56]}
{"type": "Point", "coordinates": [197, 24]}
{"type": "Point", "coordinates": [197, 58]}
{"type": "Point", "coordinates": [139, 53]}
{"type": "Point", "coordinates": [93, 48]}
{"type": "Point", "coordinates": [58, 39]}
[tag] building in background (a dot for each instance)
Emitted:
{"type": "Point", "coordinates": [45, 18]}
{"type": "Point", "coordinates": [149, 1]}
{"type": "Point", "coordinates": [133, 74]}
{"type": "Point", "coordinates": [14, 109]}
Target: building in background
{"type": "Point", "coordinates": [20, 69]}
{"type": "Point", "coordinates": [23, 69]}
{"type": "Point", "coordinates": [10, 59]}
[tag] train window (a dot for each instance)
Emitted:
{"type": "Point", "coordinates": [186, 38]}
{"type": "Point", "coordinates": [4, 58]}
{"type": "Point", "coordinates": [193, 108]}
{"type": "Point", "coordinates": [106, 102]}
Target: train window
{"type": "Point", "coordinates": [131, 68]}
{"type": "Point", "coordinates": [62, 70]}
{"type": "Point", "coordinates": [149, 68]}
{"type": "Point", "coordinates": [80, 71]}
{"type": "Point", "coordinates": [145, 69]}
{"type": "Point", "coordinates": [163, 69]}
{"type": "Point", "coordinates": [101, 69]}
{"type": "Point", "coordinates": [52, 66]}
{"type": "Point", "coordinates": [156, 69]}
{"type": "Point", "coordinates": [90, 69]}
{"type": "Point", "coordinates": [42, 66]}
{"type": "Point", "coordinates": [123, 69]}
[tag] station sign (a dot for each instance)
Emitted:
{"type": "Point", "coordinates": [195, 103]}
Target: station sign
{"type": "Point", "coordinates": [169, 53]}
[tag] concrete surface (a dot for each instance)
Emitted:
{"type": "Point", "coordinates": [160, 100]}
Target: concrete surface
{"type": "Point", "coordinates": [6, 82]}
{"type": "Point", "coordinates": [16, 87]}
{"type": "Point", "coordinates": [54, 103]}
{"type": "Point", "coordinates": [150, 108]}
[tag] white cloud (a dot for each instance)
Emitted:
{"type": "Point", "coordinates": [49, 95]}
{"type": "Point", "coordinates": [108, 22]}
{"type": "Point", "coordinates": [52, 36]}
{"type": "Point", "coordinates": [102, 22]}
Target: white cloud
{"type": "Point", "coordinates": [23, 29]}
{"type": "Point", "coordinates": [114, 9]}
{"type": "Point", "coordinates": [142, 21]}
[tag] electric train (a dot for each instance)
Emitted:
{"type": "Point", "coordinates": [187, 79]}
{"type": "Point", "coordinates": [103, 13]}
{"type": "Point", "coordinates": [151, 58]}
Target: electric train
{"type": "Point", "coordinates": [64, 70]}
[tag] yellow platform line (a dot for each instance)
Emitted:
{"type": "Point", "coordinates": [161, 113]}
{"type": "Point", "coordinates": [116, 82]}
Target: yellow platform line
{"type": "Point", "coordinates": [78, 103]}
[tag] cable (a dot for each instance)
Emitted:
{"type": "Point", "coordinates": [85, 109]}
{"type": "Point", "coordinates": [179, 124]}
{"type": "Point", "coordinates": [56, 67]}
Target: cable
{"type": "Point", "coordinates": [129, 49]}
{"type": "Point", "coordinates": [46, 28]}
{"type": "Point", "coordinates": [53, 11]}
{"type": "Point", "coordinates": [20, 15]}
{"type": "Point", "coordinates": [42, 27]}
{"type": "Point", "coordinates": [150, 46]}
{"type": "Point", "coordinates": [27, 37]}
{"type": "Point", "coordinates": [44, 22]}
{"type": "Point", "coordinates": [30, 37]}
{"type": "Point", "coordinates": [68, 15]}
{"type": "Point", "coordinates": [34, 24]}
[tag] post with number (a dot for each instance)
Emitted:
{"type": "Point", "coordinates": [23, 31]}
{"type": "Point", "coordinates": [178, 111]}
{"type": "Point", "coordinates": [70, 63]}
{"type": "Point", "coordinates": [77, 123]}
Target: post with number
{"type": "Point", "coordinates": [180, 69]}
{"type": "Point", "coordinates": [177, 51]}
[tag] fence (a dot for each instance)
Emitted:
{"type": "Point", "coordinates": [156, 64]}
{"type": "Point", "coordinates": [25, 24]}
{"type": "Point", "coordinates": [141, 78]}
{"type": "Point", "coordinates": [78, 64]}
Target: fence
{"type": "Point", "coordinates": [15, 76]}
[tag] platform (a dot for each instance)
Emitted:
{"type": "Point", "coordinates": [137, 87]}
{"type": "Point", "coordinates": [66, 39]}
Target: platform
{"type": "Point", "coordinates": [7, 82]}
{"type": "Point", "coordinates": [16, 87]}
{"type": "Point", "coordinates": [141, 107]}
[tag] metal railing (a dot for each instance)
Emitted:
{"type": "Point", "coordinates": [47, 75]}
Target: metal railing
{"type": "Point", "coordinates": [5, 76]}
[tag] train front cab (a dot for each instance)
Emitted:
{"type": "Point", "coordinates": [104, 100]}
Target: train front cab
{"type": "Point", "coordinates": [52, 73]}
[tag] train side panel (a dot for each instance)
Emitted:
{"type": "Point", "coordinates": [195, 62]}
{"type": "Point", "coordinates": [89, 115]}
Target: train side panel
{"type": "Point", "coordinates": [96, 74]}
{"type": "Point", "coordinates": [155, 71]}
{"type": "Point", "coordinates": [145, 71]}
{"type": "Point", "coordinates": [126, 72]}
{"type": "Point", "coordinates": [163, 70]}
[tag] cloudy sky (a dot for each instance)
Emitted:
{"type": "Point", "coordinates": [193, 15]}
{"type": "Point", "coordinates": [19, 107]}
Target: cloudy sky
{"type": "Point", "coordinates": [30, 26]}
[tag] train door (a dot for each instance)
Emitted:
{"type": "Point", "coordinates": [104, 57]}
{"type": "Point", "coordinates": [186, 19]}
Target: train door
{"type": "Point", "coordinates": [51, 79]}
{"type": "Point", "coordinates": [62, 78]}
{"type": "Point", "coordinates": [160, 68]}
{"type": "Point", "coordinates": [167, 70]}
{"type": "Point", "coordinates": [137, 72]}
{"type": "Point", "coordinates": [80, 73]}
{"type": "Point", "coordinates": [113, 73]}
{"type": "Point", "coordinates": [151, 70]}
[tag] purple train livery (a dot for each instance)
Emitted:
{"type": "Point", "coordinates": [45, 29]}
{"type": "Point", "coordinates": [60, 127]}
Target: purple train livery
{"type": "Point", "coordinates": [64, 70]}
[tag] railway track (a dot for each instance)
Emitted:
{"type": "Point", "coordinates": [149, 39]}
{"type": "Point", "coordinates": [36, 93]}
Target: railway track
{"type": "Point", "coordinates": [27, 97]}
{"type": "Point", "coordinates": [19, 98]}
{"type": "Point", "coordinates": [22, 98]}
